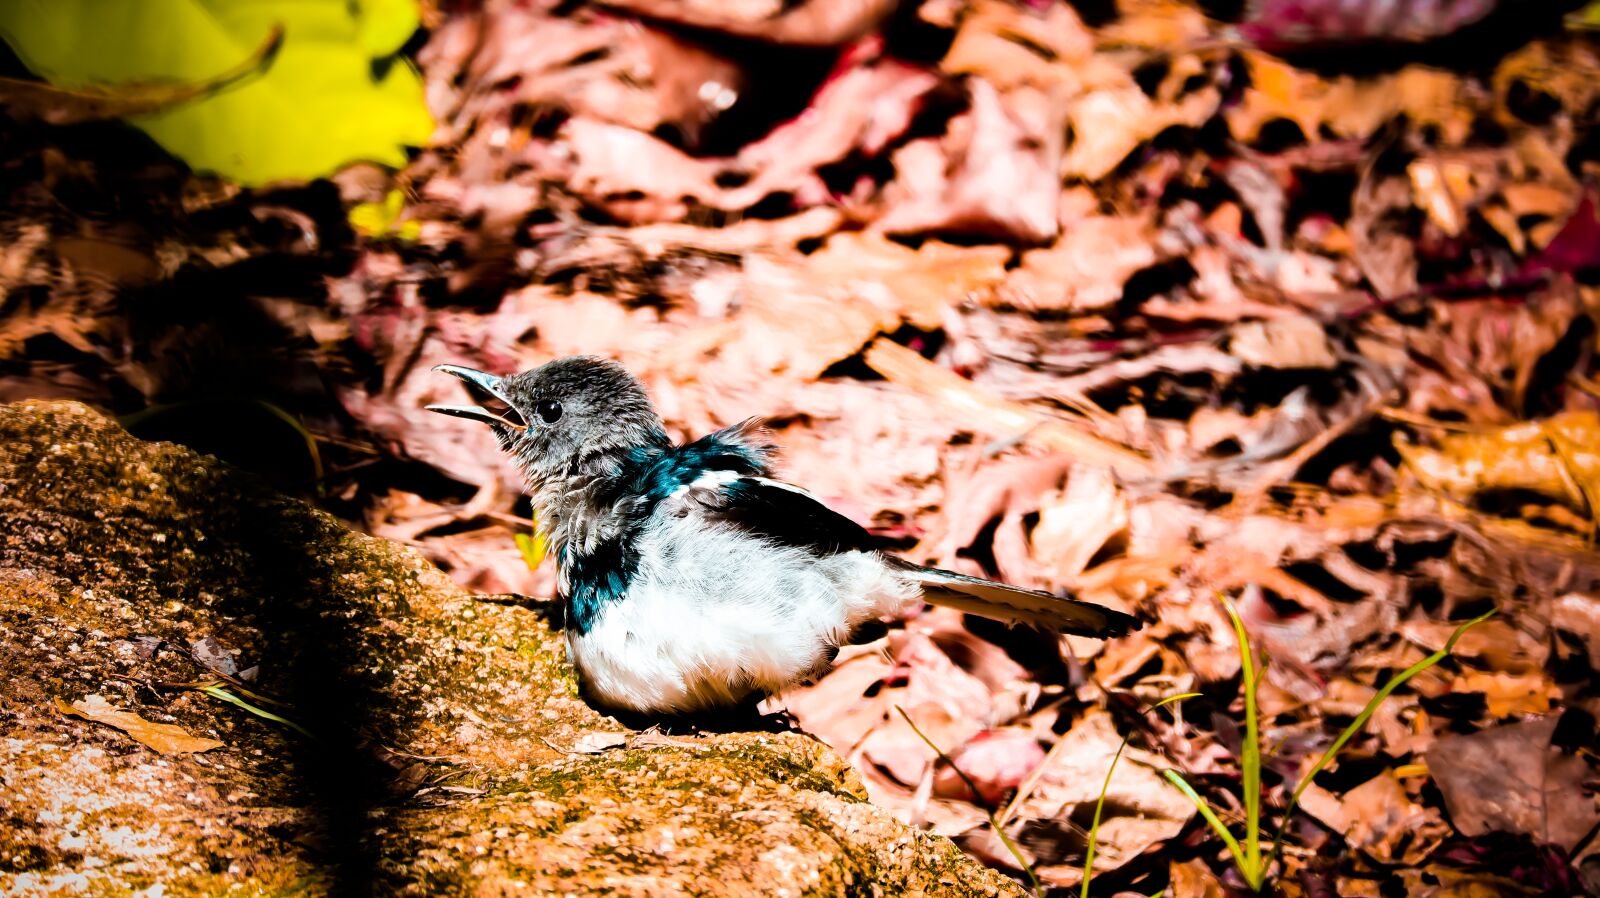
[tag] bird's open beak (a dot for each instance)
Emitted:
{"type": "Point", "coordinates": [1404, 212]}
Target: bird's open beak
{"type": "Point", "coordinates": [487, 384]}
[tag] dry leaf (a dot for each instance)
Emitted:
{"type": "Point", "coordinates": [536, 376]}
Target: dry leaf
{"type": "Point", "coordinates": [1509, 695]}
{"type": "Point", "coordinates": [1349, 106]}
{"type": "Point", "coordinates": [167, 738]}
{"type": "Point", "coordinates": [1511, 779]}
{"type": "Point", "coordinates": [1141, 808]}
{"type": "Point", "coordinates": [1381, 819]}
{"type": "Point", "coordinates": [1557, 457]}
{"type": "Point", "coordinates": [1293, 341]}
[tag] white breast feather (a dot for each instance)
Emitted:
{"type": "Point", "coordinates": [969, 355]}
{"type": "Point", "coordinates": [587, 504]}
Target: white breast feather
{"type": "Point", "coordinates": [714, 614]}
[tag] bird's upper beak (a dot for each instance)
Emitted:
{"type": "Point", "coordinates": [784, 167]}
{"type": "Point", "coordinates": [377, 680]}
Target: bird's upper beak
{"type": "Point", "coordinates": [482, 382]}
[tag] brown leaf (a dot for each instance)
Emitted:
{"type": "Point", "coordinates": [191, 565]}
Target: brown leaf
{"type": "Point", "coordinates": [1510, 695]}
{"type": "Point", "coordinates": [1579, 615]}
{"type": "Point", "coordinates": [994, 174]}
{"type": "Point", "coordinates": [1511, 779]}
{"type": "Point", "coordinates": [1556, 457]}
{"type": "Point", "coordinates": [996, 761]}
{"type": "Point", "coordinates": [988, 414]}
{"type": "Point", "coordinates": [859, 111]}
{"type": "Point", "coordinates": [1381, 819]}
{"type": "Point", "coordinates": [1294, 341]}
{"type": "Point", "coordinates": [167, 738]}
{"type": "Point", "coordinates": [1348, 106]}
{"type": "Point", "coordinates": [1193, 879]}
{"type": "Point", "coordinates": [1141, 808]}
{"type": "Point", "coordinates": [1086, 268]}
{"type": "Point", "coordinates": [810, 23]}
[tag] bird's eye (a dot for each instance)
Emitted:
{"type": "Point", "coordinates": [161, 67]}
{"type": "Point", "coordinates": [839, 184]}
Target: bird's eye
{"type": "Point", "coordinates": [548, 410]}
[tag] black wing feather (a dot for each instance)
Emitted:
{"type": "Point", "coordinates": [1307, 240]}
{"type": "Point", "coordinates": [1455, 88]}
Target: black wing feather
{"type": "Point", "coordinates": [781, 514]}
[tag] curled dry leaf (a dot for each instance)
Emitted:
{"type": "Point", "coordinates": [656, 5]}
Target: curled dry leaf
{"type": "Point", "coordinates": [1075, 524]}
{"type": "Point", "coordinates": [853, 708]}
{"type": "Point", "coordinates": [1349, 106]}
{"type": "Point", "coordinates": [167, 738]}
{"type": "Point", "coordinates": [1510, 695]}
{"type": "Point", "coordinates": [1293, 341]}
{"type": "Point", "coordinates": [1578, 614]}
{"type": "Point", "coordinates": [1085, 269]}
{"type": "Point", "coordinates": [800, 314]}
{"type": "Point", "coordinates": [636, 176]}
{"type": "Point", "coordinates": [615, 69]}
{"type": "Point", "coordinates": [861, 110]}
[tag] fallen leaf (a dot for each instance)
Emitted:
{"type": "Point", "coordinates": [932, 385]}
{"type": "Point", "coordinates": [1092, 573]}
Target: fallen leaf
{"type": "Point", "coordinates": [1346, 105]}
{"type": "Point", "coordinates": [1509, 695]}
{"type": "Point", "coordinates": [1511, 779]}
{"type": "Point", "coordinates": [167, 738]}
{"type": "Point", "coordinates": [995, 761]}
{"type": "Point", "coordinates": [217, 657]}
{"type": "Point", "coordinates": [1290, 24]}
{"type": "Point", "coordinates": [994, 174]}
{"type": "Point", "coordinates": [1141, 808]}
{"type": "Point", "coordinates": [1294, 341]}
{"type": "Point", "coordinates": [1556, 457]}
{"type": "Point", "coordinates": [1085, 269]}
{"type": "Point", "coordinates": [810, 23]}
{"type": "Point", "coordinates": [1193, 879]}
{"type": "Point", "coordinates": [1579, 615]}
{"type": "Point", "coordinates": [1381, 819]}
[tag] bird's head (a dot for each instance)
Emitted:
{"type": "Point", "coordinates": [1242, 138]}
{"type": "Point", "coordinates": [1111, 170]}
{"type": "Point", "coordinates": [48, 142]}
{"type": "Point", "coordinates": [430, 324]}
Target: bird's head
{"type": "Point", "coordinates": [562, 417]}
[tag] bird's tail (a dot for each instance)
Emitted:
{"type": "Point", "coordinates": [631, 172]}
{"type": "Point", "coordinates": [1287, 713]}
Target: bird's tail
{"type": "Point", "coordinates": [1015, 605]}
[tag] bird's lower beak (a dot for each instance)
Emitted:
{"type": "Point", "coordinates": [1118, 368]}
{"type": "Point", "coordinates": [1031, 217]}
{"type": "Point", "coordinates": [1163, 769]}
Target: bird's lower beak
{"type": "Point", "coordinates": [480, 382]}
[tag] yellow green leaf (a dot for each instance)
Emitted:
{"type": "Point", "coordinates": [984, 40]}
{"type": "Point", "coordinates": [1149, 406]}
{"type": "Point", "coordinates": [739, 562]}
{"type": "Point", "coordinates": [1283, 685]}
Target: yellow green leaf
{"type": "Point", "coordinates": [383, 219]}
{"type": "Point", "coordinates": [332, 94]}
{"type": "Point", "coordinates": [533, 548]}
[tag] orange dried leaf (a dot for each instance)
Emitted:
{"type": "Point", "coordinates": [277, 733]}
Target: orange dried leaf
{"type": "Point", "coordinates": [167, 738]}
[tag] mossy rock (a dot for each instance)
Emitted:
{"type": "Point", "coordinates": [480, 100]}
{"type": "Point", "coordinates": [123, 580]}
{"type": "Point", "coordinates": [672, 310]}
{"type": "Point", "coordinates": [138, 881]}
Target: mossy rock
{"type": "Point", "coordinates": [450, 754]}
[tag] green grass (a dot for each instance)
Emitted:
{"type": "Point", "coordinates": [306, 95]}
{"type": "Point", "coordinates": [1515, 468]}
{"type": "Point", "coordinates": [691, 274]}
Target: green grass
{"type": "Point", "coordinates": [1100, 803]}
{"type": "Point", "coordinates": [977, 798]}
{"type": "Point", "coordinates": [1247, 856]}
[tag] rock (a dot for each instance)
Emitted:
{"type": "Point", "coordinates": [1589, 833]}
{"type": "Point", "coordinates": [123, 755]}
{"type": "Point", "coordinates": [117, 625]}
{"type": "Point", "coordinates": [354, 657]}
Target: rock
{"type": "Point", "coordinates": [450, 754]}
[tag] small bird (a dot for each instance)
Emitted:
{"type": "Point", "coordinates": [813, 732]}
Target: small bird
{"type": "Point", "coordinates": [692, 580]}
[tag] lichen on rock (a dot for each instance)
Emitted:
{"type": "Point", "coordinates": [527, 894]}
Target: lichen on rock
{"type": "Point", "coordinates": [450, 754]}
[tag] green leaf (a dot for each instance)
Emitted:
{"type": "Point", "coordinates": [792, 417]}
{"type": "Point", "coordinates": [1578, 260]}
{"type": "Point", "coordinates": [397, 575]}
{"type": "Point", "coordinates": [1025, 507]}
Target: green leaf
{"type": "Point", "coordinates": [1250, 762]}
{"type": "Point", "coordinates": [333, 94]}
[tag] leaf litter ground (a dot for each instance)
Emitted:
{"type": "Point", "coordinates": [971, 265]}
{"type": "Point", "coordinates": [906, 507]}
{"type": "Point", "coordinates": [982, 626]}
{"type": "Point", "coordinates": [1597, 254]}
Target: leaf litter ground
{"type": "Point", "coordinates": [1115, 298]}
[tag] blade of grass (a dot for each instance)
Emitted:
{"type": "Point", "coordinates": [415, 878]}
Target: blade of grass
{"type": "Point", "coordinates": [222, 693]}
{"type": "Point", "coordinates": [1100, 803]}
{"type": "Point", "coordinates": [1177, 780]}
{"type": "Point", "coordinates": [1361, 721]}
{"type": "Point", "coordinates": [1250, 760]}
{"type": "Point", "coordinates": [1094, 825]}
{"type": "Point", "coordinates": [978, 798]}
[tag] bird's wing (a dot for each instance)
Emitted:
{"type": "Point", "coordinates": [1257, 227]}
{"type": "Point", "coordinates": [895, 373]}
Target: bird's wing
{"type": "Point", "coordinates": [771, 509]}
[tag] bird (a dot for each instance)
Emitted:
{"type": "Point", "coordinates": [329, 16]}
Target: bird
{"type": "Point", "coordinates": [692, 580]}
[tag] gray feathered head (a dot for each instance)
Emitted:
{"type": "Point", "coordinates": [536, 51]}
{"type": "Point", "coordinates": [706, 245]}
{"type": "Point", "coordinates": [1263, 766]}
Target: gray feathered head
{"type": "Point", "coordinates": [557, 416]}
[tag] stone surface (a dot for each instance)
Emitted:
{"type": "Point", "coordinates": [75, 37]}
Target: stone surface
{"type": "Point", "coordinates": [450, 754]}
